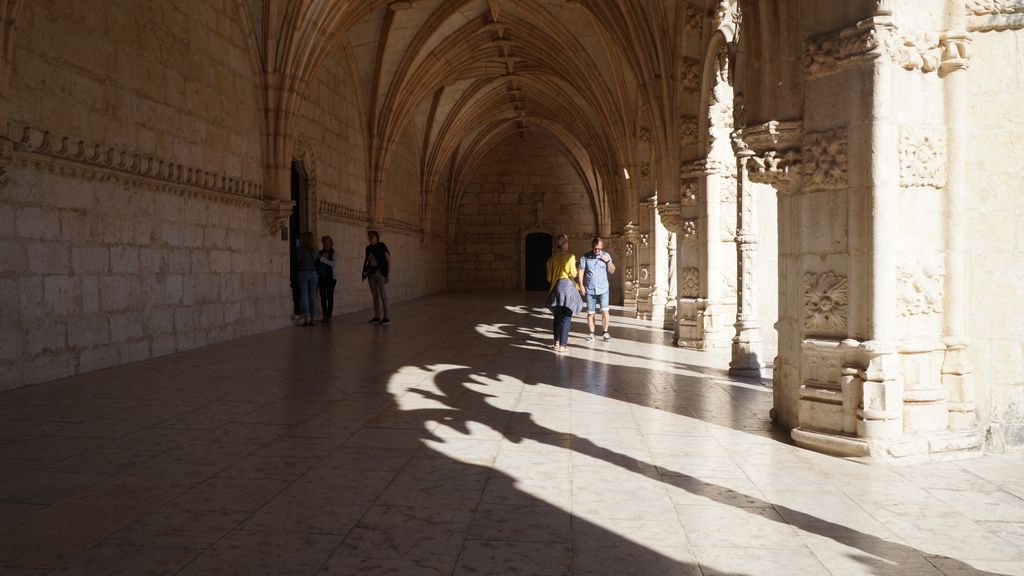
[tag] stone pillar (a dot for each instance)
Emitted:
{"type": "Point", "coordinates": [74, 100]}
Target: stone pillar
{"type": "Point", "coordinates": [646, 286]}
{"type": "Point", "coordinates": [668, 314]}
{"type": "Point", "coordinates": [746, 345]}
{"type": "Point", "coordinates": [630, 276]}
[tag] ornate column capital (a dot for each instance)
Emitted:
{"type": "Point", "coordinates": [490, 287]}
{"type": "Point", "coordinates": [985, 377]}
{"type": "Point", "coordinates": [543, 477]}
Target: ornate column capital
{"type": "Point", "coordinates": [671, 216]}
{"type": "Point", "coordinates": [771, 152]}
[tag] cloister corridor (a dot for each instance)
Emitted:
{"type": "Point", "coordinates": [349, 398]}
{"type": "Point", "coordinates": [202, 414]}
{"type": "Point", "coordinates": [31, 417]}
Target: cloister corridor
{"type": "Point", "coordinates": [455, 442]}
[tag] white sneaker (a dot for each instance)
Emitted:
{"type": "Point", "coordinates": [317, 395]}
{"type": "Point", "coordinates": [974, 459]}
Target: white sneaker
{"type": "Point", "coordinates": [607, 336]}
{"type": "Point", "coordinates": [590, 337]}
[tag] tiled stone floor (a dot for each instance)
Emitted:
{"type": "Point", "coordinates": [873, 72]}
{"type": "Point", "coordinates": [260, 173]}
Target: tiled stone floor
{"type": "Point", "coordinates": [453, 442]}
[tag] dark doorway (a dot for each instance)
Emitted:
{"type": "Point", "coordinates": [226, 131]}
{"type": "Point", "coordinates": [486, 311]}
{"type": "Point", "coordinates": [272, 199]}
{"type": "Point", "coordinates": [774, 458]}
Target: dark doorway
{"type": "Point", "coordinates": [536, 251]}
{"type": "Point", "coordinates": [295, 232]}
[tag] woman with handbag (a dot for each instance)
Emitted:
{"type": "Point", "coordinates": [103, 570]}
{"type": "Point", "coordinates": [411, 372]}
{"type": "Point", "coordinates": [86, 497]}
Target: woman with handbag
{"type": "Point", "coordinates": [564, 294]}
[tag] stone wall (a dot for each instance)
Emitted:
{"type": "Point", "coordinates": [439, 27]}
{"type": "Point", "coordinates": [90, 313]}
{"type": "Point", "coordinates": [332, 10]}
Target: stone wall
{"type": "Point", "coordinates": [994, 209]}
{"type": "Point", "coordinates": [526, 185]}
{"type": "Point", "coordinates": [140, 234]}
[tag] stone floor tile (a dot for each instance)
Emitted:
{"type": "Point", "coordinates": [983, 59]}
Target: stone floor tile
{"type": "Point", "coordinates": [500, 558]}
{"type": "Point", "coordinates": [281, 554]}
{"type": "Point", "coordinates": [128, 560]}
{"type": "Point", "coordinates": [231, 494]}
{"type": "Point", "coordinates": [720, 561]}
{"type": "Point", "coordinates": [717, 526]}
{"type": "Point", "coordinates": [640, 547]}
{"type": "Point", "coordinates": [521, 524]}
{"type": "Point", "coordinates": [176, 527]}
{"type": "Point", "coordinates": [433, 536]}
{"type": "Point", "coordinates": [280, 467]}
{"type": "Point", "coordinates": [343, 564]}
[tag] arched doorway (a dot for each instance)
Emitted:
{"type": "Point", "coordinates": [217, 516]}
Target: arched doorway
{"type": "Point", "coordinates": [297, 224]}
{"type": "Point", "coordinates": [536, 251]}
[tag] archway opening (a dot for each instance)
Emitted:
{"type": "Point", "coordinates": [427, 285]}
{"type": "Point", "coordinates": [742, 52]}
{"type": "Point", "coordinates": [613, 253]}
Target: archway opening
{"type": "Point", "coordinates": [536, 250]}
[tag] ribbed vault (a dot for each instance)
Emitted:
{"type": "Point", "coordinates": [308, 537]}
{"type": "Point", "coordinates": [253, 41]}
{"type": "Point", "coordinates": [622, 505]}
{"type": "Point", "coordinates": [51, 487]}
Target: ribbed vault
{"type": "Point", "coordinates": [470, 74]}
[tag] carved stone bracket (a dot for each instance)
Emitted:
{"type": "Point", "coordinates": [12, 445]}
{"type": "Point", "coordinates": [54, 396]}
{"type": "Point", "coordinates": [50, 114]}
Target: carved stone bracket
{"type": "Point", "coordinates": [669, 212]}
{"type": "Point", "coordinates": [825, 297]}
{"type": "Point", "coordinates": [772, 151]}
{"type": "Point", "coordinates": [275, 216]}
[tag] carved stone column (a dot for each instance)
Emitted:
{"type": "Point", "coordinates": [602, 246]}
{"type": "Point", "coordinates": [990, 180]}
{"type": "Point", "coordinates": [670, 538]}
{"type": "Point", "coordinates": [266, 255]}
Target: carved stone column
{"type": "Point", "coordinates": [746, 344]}
{"type": "Point", "coordinates": [630, 273]}
{"type": "Point", "coordinates": [670, 217]}
{"type": "Point", "coordinates": [646, 286]}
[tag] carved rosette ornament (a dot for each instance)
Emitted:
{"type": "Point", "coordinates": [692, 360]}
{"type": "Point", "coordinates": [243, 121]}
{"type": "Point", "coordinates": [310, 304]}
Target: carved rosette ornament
{"type": "Point", "coordinates": [689, 74]}
{"type": "Point", "coordinates": [688, 191]}
{"type": "Point", "coordinates": [689, 229]}
{"type": "Point", "coordinates": [694, 17]}
{"type": "Point", "coordinates": [922, 157]}
{"type": "Point", "coordinates": [824, 160]}
{"type": "Point", "coordinates": [825, 297]}
{"type": "Point", "coordinates": [689, 283]}
{"type": "Point", "coordinates": [919, 283]}
{"type": "Point", "coordinates": [688, 130]}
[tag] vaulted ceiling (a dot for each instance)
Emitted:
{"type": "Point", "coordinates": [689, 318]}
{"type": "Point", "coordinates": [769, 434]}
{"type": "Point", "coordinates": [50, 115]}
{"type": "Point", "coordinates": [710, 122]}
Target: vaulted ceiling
{"type": "Point", "coordinates": [608, 80]}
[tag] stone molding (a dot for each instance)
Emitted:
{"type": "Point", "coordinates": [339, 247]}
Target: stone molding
{"type": "Point", "coordinates": [689, 283]}
{"type": "Point", "coordinates": [824, 160]}
{"type": "Point", "coordinates": [924, 51]}
{"type": "Point", "coordinates": [339, 213]}
{"type": "Point", "coordinates": [922, 157]}
{"type": "Point", "coordinates": [395, 225]}
{"type": "Point", "coordinates": [919, 284]}
{"type": "Point", "coordinates": [995, 15]}
{"type": "Point", "coordinates": [98, 162]}
{"type": "Point", "coordinates": [825, 299]}
{"type": "Point", "coordinates": [726, 15]}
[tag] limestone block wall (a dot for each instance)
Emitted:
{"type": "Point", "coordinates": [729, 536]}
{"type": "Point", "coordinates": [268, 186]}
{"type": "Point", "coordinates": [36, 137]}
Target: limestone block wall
{"type": "Point", "coordinates": [524, 186]}
{"type": "Point", "coordinates": [103, 272]}
{"type": "Point", "coordinates": [995, 240]}
{"type": "Point", "coordinates": [131, 224]}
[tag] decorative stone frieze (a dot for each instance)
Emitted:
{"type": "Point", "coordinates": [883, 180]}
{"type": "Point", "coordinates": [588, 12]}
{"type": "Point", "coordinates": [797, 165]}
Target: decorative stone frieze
{"type": "Point", "coordinates": [95, 161]}
{"type": "Point", "coordinates": [689, 230]}
{"type": "Point", "coordinates": [689, 283]}
{"type": "Point", "coordinates": [825, 297]}
{"type": "Point", "coordinates": [995, 15]}
{"type": "Point", "coordinates": [645, 169]}
{"type": "Point", "coordinates": [645, 136]}
{"type": "Point", "coordinates": [919, 283]}
{"type": "Point", "coordinates": [340, 213]}
{"type": "Point", "coordinates": [688, 130]}
{"type": "Point", "coordinates": [922, 157]}
{"type": "Point", "coordinates": [689, 74]}
{"type": "Point", "coordinates": [831, 52]}
{"type": "Point", "coordinates": [693, 169]}
{"type": "Point", "coordinates": [824, 160]}
{"type": "Point", "coordinates": [688, 191]}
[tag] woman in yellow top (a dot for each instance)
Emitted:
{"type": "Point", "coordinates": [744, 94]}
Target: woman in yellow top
{"type": "Point", "coordinates": [564, 298]}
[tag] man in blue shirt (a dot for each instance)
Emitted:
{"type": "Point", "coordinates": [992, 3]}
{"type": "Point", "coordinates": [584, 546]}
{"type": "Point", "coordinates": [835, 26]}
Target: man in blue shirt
{"type": "Point", "coordinates": [594, 268]}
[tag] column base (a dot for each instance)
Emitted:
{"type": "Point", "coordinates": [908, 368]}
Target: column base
{"type": "Point", "coordinates": [908, 449]}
